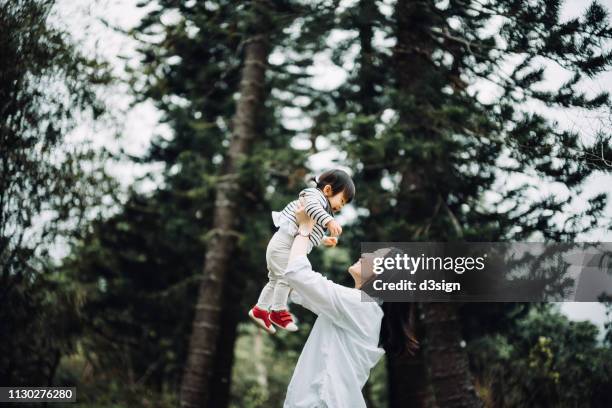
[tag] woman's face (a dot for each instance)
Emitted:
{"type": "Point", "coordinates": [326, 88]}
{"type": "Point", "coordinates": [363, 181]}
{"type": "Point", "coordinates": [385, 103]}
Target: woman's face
{"type": "Point", "coordinates": [363, 270]}
{"type": "Point", "coordinates": [355, 269]}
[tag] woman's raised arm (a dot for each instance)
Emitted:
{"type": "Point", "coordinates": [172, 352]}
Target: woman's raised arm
{"type": "Point", "coordinates": [316, 293]}
{"type": "Point", "coordinates": [305, 224]}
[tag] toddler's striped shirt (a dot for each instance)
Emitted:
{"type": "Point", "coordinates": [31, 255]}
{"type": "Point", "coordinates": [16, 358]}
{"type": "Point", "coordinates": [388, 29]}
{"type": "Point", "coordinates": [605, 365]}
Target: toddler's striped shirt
{"type": "Point", "coordinates": [317, 207]}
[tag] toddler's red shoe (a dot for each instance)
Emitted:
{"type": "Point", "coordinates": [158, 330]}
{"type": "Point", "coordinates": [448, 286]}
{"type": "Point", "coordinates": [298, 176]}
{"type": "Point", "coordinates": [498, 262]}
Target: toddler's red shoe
{"type": "Point", "coordinates": [262, 318]}
{"type": "Point", "coordinates": [283, 319]}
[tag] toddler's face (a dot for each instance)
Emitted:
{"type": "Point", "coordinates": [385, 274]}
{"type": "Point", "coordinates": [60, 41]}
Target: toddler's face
{"type": "Point", "coordinates": [337, 201]}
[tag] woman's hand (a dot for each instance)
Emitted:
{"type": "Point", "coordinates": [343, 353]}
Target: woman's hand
{"type": "Point", "coordinates": [304, 221]}
{"type": "Point", "coordinates": [305, 224]}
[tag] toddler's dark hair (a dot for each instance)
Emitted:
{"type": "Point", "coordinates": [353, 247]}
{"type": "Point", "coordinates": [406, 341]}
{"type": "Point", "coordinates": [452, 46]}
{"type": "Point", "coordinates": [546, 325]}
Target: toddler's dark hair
{"type": "Point", "coordinates": [339, 181]}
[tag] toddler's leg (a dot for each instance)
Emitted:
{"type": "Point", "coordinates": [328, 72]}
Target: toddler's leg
{"type": "Point", "coordinates": [277, 257]}
{"type": "Point", "coordinates": [275, 269]}
{"type": "Point", "coordinates": [280, 295]}
{"type": "Point", "coordinates": [267, 294]}
{"type": "Point", "coordinates": [260, 313]}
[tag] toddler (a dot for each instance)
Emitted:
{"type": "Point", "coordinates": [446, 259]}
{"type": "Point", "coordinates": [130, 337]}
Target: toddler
{"type": "Point", "coordinates": [334, 190]}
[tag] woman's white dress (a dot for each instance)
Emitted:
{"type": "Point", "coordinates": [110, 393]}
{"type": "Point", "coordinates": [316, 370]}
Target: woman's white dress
{"type": "Point", "coordinates": [342, 346]}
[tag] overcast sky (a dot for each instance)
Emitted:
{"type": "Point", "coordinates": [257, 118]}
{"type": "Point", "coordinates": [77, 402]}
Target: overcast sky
{"type": "Point", "coordinates": [137, 125]}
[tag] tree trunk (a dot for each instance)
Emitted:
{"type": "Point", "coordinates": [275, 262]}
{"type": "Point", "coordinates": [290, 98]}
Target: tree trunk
{"type": "Point", "coordinates": [408, 382]}
{"type": "Point", "coordinates": [196, 383]}
{"type": "Point", "coordinates": [418, 84]}
{"type": "Point", "coordinates": [447, 358]}
{"type": "Point", "coordinates": [220, 379]}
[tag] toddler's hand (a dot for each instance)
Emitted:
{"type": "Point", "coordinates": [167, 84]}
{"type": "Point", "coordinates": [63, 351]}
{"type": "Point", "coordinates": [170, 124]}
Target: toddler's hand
{"type": "Point", "coordinates": [334, 228]}
{"type": "Point", "coordinates": [330, 241]}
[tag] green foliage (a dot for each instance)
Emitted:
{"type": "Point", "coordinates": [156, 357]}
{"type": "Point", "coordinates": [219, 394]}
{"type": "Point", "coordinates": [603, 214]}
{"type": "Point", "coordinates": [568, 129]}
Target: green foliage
{"type": "Point", "coordinates": [260, 377]}
{"type": "Point", "coordinates": [138, 268]}
{"type": "Point", "coordinates": [452, 142]}
{"type": "Point", "coordinates": [547, 360]}
{"type": "Point", "coordinates": [376, 389]}
{"type": "Point", "coordinates": [47, 186]}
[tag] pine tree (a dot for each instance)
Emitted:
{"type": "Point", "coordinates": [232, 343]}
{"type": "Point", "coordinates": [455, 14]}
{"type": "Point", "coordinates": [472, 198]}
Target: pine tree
{"type": "Point", "coordinates": [147, 257]}
{"type": "Point", "coordinates": [209, 311]}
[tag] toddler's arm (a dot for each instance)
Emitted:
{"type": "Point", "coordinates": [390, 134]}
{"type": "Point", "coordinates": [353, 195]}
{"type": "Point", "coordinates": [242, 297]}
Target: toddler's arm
{"type": "Point", "coordinates": [330, 241]}
{"type": "Point", "coordinates": [334, 228]}
{"type": "Point", "coordinates": [315, 208]}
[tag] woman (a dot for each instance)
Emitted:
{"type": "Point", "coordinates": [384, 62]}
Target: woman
{"type": "Point", "coordinates": [346, 339]}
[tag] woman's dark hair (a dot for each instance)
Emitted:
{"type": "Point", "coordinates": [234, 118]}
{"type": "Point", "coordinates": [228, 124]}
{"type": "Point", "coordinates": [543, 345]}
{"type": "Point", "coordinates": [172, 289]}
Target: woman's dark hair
{"type": "Point", "coordinates": [339, 181]}
{"type": "Point", "coordinates": [397, 333]}
{"type": "Point", "coordinates": [397, 330]}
